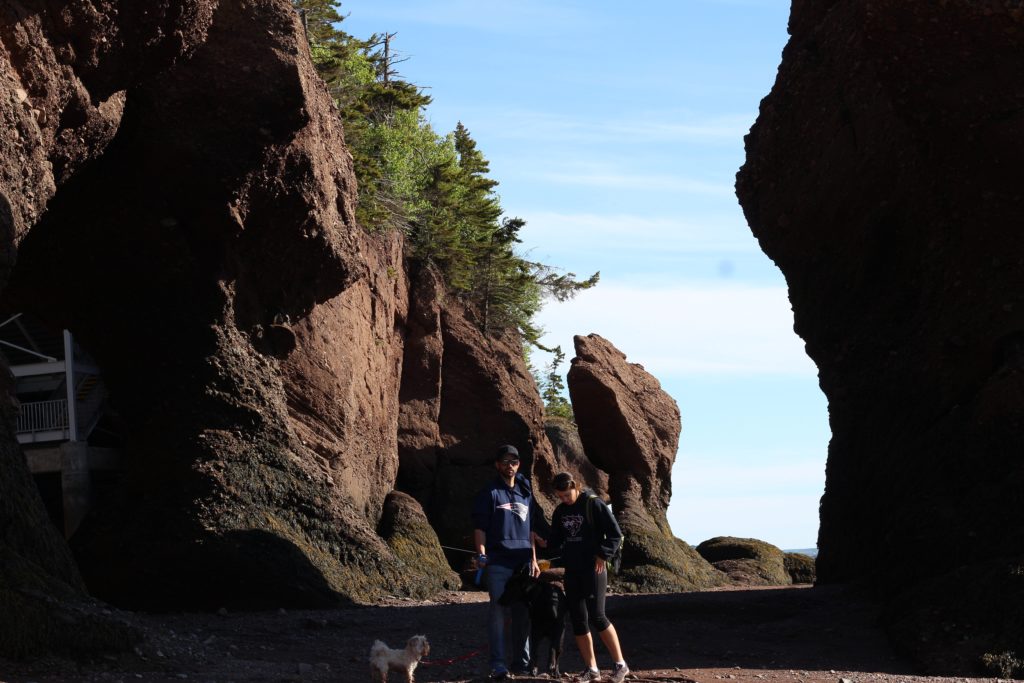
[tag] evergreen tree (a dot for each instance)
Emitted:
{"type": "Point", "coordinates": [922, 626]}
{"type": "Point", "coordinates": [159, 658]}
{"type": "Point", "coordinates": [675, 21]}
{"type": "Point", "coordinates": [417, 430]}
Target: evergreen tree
{"type": "Point", "coordinates": [553, 389]}
{"type": "Point", "coordinates": [435, 188]}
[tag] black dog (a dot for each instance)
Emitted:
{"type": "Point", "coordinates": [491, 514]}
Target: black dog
{"type": "Point", "coordinates": [546, 604]}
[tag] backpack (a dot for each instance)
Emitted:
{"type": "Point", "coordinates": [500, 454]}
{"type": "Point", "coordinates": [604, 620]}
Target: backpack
{"type": "Point", "coordinates": [614, 563]}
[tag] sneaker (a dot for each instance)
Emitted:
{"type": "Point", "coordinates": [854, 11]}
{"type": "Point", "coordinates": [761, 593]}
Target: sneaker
{"type": "Point", "coordinates": [588, 674]}
{"type": "Point", "coordinates": [499, 676]}
{"type": "Point", "coordinates": [619, 674]}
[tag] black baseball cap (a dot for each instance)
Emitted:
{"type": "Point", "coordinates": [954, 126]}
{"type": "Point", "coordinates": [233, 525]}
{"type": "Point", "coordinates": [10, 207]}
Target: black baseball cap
{"type": "Point", "coordinates": [562, 481]}
{"type": "Point", "coordinates": [507, 449]}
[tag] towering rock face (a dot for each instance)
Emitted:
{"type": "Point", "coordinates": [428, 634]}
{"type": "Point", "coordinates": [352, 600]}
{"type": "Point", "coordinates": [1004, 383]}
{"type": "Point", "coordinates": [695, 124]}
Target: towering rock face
{"type": "Point", "coordinates": [463, 395]}
{"type": "Point", "coordinates": [64, 70]}
{"type": "Point", "coordinates": [880, 178]}
{"type": "Point", "coordinates": [630, 429]}
{"type": "Point", "coordinates": [249, 331]}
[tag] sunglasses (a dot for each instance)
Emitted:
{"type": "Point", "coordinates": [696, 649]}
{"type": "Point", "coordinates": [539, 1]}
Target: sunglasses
{"type": "Point", "coordinates": [509, 461]}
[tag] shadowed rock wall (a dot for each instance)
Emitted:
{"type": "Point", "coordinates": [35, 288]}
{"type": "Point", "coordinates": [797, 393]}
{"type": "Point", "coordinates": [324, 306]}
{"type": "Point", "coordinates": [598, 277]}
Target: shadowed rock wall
{"type": "Point", "coordinates": [881, 178]}
{"type": "Point", "coordinates": [64, 69]}
{"type": "Point", "coordinates": [249, 331]}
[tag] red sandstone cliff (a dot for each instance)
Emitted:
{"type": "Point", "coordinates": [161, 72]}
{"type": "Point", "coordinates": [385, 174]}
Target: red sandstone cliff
{"type": "Point", "coordinates": [249, 331]}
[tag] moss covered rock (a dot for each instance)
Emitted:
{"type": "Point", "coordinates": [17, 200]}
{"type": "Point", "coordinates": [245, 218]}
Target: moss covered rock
{"type": "Point", "coordinates": [654, 561]}
{"type": "Point", "coordinates": [44, 615]}
{"type": "Point", "coordinates": [43, 605]}
{"type": "Point", "coordinates": [800, 567]}
{"type": "Point", "coordinates": [404, 527]}
{"type": "Point", "coordinates": [746, 561]}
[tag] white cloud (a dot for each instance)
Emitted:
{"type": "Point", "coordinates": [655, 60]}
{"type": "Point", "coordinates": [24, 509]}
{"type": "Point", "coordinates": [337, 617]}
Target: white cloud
{"type": "Point", "coordinates": [533, 17]}
{"type": "Point", "coordinates": [703, 477]}
{"type": "Point", "coordinates": [639, 181]}
{"type": "Point", "coordinates": [686, 329]}
{"type": "Point", "coordinates": [786, 521]}
{"type": "Point", "coordinates": [636, 127]}
{"type": "Point", "coordinates": [613, 233]}
{"type": "Point", "coordinates": [765, 495]}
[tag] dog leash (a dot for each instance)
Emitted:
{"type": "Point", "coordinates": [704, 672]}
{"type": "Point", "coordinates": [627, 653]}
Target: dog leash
{"type": "Point", "coordinates": [445, 663]}
{"type": "Point", "coordinates": [461, 550]}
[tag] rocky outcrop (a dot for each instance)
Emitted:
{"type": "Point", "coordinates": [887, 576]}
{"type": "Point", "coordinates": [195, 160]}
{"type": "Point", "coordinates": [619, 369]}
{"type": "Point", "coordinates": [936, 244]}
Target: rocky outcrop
{"type": "Point", "coordinates": [746, 561]}
{"type": "Point", "coordinates": [801, 567]}
{"type": "Point", "coordinates": [406, 530]}
{"type": "Point", "coordinates": [64, 71]}
{"type": "Point", "coordinates": [879, 177]}
{"type": "Point", "coordinates": [250, 333]}
{"type": "Point", "coordinates": [630, 429]}
{"type": "Point", "coordinates": [569, 455]}
{"type": "Point", "coordinates": [463, 395]}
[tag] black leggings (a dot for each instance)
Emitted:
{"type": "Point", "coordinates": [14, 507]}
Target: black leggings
{"type": "Point", "coordinates": [584, 594]}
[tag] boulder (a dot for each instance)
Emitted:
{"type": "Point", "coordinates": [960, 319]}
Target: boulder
{"type": "Point", "coordinates": [801, 567]}
{"type": "Point", "coordinates": [630, 428]}
{"type": "Point", "coordinates": [747, 561]}
{"type": "Point", "coordinates": [879, 178]}
{"type": "Point", "coordinates": [404, 527]}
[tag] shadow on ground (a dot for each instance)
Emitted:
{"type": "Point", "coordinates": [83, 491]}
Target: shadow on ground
{"type": "Point", "coordinates": [671, 637]}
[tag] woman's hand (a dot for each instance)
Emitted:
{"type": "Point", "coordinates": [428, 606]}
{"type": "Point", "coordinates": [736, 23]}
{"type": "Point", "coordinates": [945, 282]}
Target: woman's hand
{"type": "Point", "coordinates": [534, 569]}
{"type": "Point", "coordinates": [598, 564]}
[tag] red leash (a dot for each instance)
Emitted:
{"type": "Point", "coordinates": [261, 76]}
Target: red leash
{"type": "Point", "coordinates": [444, 663]}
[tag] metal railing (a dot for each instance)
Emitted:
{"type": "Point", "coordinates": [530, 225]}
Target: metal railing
{"type": "Point", "coordinates": [43, 416]}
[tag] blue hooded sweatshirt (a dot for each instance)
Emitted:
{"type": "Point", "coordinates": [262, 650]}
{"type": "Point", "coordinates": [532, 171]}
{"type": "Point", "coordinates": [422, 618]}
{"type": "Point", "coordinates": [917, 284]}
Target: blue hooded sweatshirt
{"type": "Point", "coordinates": [507, 514]}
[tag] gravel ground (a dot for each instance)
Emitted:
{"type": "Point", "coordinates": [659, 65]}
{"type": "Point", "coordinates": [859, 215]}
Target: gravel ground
{"type": "Point", "coordinates": [803, 635]}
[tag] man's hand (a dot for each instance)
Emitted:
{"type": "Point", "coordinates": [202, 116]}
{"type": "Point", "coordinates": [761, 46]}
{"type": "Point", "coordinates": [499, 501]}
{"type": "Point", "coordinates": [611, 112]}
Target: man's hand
{"type": "Point", "coordinates": [599, 565]}
{"type": "Point", "coordinates": [538, 540]}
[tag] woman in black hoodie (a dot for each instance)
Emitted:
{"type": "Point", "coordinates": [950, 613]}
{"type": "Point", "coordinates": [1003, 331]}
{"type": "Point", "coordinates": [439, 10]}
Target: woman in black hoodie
{"type": "Point", "coordinates": [585, 529]}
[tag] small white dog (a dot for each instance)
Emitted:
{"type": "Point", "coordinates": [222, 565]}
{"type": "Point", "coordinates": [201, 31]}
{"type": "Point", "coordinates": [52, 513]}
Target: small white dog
{"type": "Point", "coordinates": [383, 658]}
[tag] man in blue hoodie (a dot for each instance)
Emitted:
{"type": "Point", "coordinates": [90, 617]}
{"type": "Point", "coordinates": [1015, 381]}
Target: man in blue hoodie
{"type": "Point", "coordinates": [505, 516]}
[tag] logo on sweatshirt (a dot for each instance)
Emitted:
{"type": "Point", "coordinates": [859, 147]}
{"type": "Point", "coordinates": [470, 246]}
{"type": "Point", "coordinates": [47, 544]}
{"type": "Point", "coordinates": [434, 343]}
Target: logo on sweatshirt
{"type": "Point", "coordinates": [517, 509]}
{"type": "Point", "coordinates": [572, 524]}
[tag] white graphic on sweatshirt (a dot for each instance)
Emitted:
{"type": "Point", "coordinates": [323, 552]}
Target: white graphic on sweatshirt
{"type": "Point", "coordinates": [518, 509]}
{"type": "Point", "coordinates": [572, 524]}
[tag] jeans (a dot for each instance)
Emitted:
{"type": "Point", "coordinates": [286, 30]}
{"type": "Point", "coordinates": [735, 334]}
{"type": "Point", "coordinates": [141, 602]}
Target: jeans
{"type": "Point", "coordinates": [519, 623]}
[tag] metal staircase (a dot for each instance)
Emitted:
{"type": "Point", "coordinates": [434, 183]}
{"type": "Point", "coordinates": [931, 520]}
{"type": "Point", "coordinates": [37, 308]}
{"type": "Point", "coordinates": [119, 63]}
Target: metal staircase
{"type": "Point", "coordinates": [45, 363]}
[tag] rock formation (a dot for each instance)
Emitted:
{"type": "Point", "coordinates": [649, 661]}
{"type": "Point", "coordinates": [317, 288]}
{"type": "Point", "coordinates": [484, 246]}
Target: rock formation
{"type": "Point", "coordinates": [630, 429]}
{"type": "Point", "coordinates": [879, 177]}
{"type": "Point", "coordinates": [801, 567]}
{"type": "Point", "coordinates": [463, 394]}
{"type": "Point", "coordinates": [64, 70]}
{"type": "Point", "coordinates": [198, 238]}
{"type": "Point", "coordinates": [569, 456]}
{"type": "Point", "coordinates": [747, 561]}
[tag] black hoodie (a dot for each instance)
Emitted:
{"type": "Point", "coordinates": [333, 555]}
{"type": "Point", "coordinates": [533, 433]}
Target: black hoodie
{"type": "Point", "coordinates": [582, 540]}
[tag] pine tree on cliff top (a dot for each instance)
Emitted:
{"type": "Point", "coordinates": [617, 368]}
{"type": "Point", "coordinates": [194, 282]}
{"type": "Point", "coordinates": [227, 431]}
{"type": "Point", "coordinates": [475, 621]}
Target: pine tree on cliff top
{"type": "Point", "coordinates": [437, 189]}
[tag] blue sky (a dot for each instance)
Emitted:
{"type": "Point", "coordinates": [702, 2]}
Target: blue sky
{"type": "Point", "coordinates": [616, 131]}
